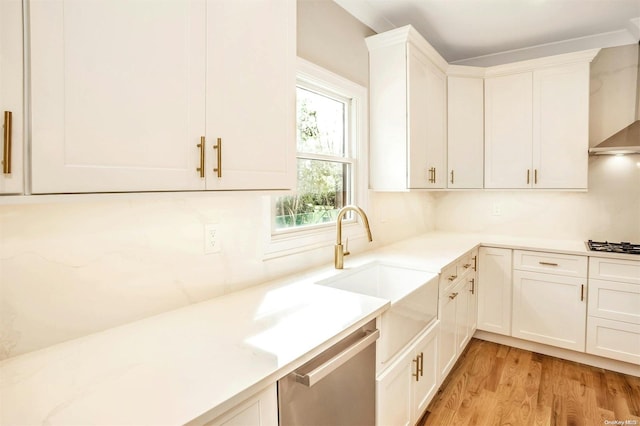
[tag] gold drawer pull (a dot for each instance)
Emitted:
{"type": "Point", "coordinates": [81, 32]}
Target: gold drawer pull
{"type": "Point", "coordinates": [528, 173]}
{"type": "Point", "coordinates": [417, 373]}
{"type": "Point", "coordinates": [473, 286]}
{"type": "Point", "coordinates": [218, 148]}
{"type": "Point", "coordinates": [466, 265]}
{"type": "Point", "coordinates": [548, 263]}
{"type": "Point", "coordinates": [475, 263]}
{"type": "Point", "coordinates": [6, 157]}
{"type": "Point", "coordinates": [452, 176]}
{"type": "Point", "coordinates": [452, 277]}
{"type": "Point", "coordinates": [535, 176]}
{"type": "Point", "coordinates": [201, 146]}
{"type": "Point", "coordinates": [453, 296]}
{"type": "Point", "coordinates": [582, 292]}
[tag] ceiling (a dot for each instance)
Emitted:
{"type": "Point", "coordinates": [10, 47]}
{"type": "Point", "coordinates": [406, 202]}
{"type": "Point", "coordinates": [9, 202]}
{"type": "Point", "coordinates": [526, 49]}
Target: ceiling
{"type": "Point", "coordinates": [478, 32]}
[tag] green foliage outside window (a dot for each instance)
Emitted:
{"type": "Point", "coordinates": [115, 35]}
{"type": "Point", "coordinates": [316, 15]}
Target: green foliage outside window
{"type": "Point", "coordinates": [320, 193]}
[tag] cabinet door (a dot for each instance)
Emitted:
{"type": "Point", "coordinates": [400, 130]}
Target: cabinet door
{"type": "Point", "coordinates": [430, 115]}
{"type": "Point", "coordinates": [425, 388]}
{"type": "Point", "coordinates": [561, 126]}
{"type": "Point", "coordinates": [251, 93]}
{"type": "Point", "coordinates": [613, 339]}
{"type": "Point", "coordinates": [465, 135]}
{"type": "Point", "coordinates": [472, 319]}
{"type": "Point", "coordinates": [117, 92]}
{"type": "Point", "coordinates": [494, 290]}
{"type": "Point", "coordinates": [550, 309]}
{"type": "Point", "coordinates": [447, 341]}
{"type": "Point", "coordinates": [259, 410]}
{"type": "Point", "coordinates": [462, 315]}
{"type": "Point", "coordinates": [508, 131]}
{"type": "Point", "coordinates": [11, 175]}
{"type": "Point", "coordinates": [393, 392]}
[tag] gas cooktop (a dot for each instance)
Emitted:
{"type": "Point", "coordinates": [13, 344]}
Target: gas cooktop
{"type": "Point", "coordinates": [608, 247]}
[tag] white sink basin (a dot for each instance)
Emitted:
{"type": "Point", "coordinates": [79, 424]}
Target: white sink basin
{"type": "Point", "coordinates": [413, 294]}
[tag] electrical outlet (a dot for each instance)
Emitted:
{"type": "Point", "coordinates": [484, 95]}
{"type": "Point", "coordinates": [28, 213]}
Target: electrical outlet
{"type": "Point", "coordinates": [211, 238]}
{"type": "Point", "coordinates": [497, 209]}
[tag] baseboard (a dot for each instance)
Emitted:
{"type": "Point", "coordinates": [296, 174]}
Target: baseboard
{"type": "Point", "coordinates": [583, 358]}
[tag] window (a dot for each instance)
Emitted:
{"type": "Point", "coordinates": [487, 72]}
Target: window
{"type": "Point", "coordinates": [324, 163]}
{"type": "Point", "coordinates": [331, 162]}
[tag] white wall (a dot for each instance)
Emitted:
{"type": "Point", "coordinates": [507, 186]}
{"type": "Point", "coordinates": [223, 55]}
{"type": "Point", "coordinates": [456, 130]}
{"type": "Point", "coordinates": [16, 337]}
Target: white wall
{"type": "Point", "coordinates": [610, 210]}
{"type": "Point", "coordinates": [74, 265]}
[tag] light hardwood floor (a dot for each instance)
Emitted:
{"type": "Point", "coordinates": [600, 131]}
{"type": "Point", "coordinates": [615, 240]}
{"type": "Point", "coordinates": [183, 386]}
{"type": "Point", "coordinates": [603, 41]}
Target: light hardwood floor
{"type": "Point", "coordinates": [493, 384]}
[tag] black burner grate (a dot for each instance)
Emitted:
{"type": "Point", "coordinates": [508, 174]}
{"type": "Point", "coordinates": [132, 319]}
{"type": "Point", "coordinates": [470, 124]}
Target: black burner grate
{"type": "Point", "coordinates": [608, 247]}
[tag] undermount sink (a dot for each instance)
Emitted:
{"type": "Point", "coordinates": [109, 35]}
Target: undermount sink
{"type": "Point", "coordinates": [413, 294]}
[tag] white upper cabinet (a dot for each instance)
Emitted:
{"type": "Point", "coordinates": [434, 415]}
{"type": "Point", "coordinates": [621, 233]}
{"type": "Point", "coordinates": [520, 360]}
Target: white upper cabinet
{"type": "Point", "coordinates": [408, 102]}
{"type": "Point", "coordinates": [465, 142]}
{"type": "Point", "coordinates": [123, 91]}
{"type": "Point", "coordinates": [251, 94]}
{"type": "Point", "coordinates": [11, 104]}
{"type": "Point", "coordinates": [561, 126]}
{"type": "Point", "coordinates": [537, 122]}
{"type": "Point", "coordinates": [117, 94]}
{"type": "Point", "coordinates": [508, 131]}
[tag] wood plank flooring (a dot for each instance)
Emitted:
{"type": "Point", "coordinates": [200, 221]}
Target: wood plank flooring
{"type": "Point", "coordinates": [493, 384]}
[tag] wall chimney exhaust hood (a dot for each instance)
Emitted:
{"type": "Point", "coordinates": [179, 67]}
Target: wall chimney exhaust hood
{"type": "Point", "coordinates": [626, 141]}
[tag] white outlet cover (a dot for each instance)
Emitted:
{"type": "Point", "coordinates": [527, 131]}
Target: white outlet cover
{"type": "Point", "coordinates": [212, 239]}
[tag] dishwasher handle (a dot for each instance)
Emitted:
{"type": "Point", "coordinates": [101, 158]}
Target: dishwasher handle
{"type": "Point", "coordinates": [320, 372]}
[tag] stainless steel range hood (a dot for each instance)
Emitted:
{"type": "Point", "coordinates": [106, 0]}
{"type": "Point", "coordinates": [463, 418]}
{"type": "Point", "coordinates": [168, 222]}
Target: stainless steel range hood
{"type": "Point", "coordinates": [626, 141]}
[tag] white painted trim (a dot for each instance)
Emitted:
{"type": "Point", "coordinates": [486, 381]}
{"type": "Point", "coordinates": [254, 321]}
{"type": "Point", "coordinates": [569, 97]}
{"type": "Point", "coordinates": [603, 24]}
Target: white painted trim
{"type": "Point", "coordinates": [292, 242]}
{"type": "Point", "coordinates": [536, 64]}
{"type": "Point", "coordinates": [465, 71]}
{"type": "Point", "coordinates": [407, 34]}
{"type": "Point", "coordinates": [583, 358]}
{"type": "Point", "coordinates": [598, 41]}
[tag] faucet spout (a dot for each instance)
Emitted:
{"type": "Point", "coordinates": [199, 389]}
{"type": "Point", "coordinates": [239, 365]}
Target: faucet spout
{"type": "Point", "coordinates": [339, 249]}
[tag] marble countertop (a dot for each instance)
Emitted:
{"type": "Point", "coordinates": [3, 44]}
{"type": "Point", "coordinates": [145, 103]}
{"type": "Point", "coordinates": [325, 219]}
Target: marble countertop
{"type": "Point", "coordinates": [197, 362]}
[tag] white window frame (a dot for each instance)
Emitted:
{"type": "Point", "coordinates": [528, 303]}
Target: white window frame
{"type": "Point", "coordinates": [290, 241]}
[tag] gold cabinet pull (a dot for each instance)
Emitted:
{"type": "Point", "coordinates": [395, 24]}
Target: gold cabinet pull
{"type": "Point", "coordinates": [466, 265]}
{"type": "Point", "coordinates": [535, 176]}
{"type": "Point", "coordinates": [473, 286]}
{"type": "Point", "coordinates": [201, 146]}
{"type": "Point", "coordinates": [475, 263]}
{"type": "Point", "coordinates": [421, 364]}
{"type": "Point", "coordinates": [432, 175]}
{"type": "Point", "coordinates": [453, 295]}
{"type": "Point", "coordinates": [218, 148]}
{"type": "Point", "coordinates": [417, 373]}
{"type": "Point", "coordinates": [6, 157]}
{"type": "Point", "coordinates": [548, 263]}
{"type": "Point", "coordinates": [528, 179]}
{"type": "Point", "coordinates": [452, 277]}
{"type": "Point", "coordinates": [452, 176]}
{"type": "Point", "coordinates": [582, 292]}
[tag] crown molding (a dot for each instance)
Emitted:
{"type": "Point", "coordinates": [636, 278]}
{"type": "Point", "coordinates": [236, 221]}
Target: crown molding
{"type": "Point", "coordinates": [407, 34]}
{"type": "Point", "coordinates": [549, 61]}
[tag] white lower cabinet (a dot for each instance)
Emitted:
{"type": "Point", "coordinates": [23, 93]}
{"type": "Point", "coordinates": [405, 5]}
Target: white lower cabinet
{"type": "Point", "coordinates": [613, 322]}
{"type": "Point", "coordinates": [405, 388]}
{"type": "Point", "coordinates": [494, 290]}
{"type": "Point", "coordinates": [549, 309]}
{"type": "Point", "coordinates": [550, 298]}
{"type": "Point", "coordinates": [259, 410]}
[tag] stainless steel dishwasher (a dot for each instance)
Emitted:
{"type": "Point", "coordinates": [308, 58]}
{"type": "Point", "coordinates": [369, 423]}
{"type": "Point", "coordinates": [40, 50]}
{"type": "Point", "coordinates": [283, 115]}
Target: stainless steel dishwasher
{"type": "Point", "coordinates": [336, 388]}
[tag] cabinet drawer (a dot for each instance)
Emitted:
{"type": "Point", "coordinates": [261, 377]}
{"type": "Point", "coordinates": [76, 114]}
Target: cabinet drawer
{"type": "Point", "coordinates": [613, 339]}
{"type": "Point", "coordinates": [614, 300]}
{"type": "Point", "coordinates": [602, 268]}
{"type": "Point", "coordinates": [449, 276]}
{"type": "Point", "coordinates": [551, 263]}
